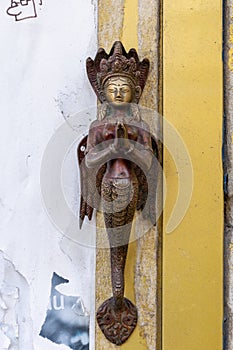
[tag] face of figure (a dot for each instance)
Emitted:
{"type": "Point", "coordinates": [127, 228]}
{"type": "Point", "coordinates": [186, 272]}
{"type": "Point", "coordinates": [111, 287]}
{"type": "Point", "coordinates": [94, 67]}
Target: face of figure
{"type": "Point", "coordinates": [118, 91]}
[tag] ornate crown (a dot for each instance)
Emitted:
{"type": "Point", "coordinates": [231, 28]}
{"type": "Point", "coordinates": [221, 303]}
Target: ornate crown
{"type": "Point", "coordinates": [117, 63]}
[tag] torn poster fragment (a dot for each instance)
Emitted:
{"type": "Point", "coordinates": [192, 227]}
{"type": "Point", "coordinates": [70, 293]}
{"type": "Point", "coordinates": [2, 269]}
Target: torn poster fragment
{"type": "Point", "coordinates": [67, 321]}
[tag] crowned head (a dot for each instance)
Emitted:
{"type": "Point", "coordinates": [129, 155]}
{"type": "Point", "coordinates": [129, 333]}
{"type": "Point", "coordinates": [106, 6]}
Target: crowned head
{"type": "Point", "coordinates": [118, 71]}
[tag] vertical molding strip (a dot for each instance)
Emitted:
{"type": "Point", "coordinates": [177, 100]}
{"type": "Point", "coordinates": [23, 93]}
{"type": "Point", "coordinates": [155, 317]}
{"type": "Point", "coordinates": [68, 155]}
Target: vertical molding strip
{"type": "Point", "coordinates": [228, 171]}
{"type": "Point", "coordinates": [136, 24]}
{"type": "Point", "coordinates": [148, 271]}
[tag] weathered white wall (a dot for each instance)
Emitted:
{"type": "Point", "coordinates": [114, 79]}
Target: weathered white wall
{"type": "Point", "coordinates": [43, 81]}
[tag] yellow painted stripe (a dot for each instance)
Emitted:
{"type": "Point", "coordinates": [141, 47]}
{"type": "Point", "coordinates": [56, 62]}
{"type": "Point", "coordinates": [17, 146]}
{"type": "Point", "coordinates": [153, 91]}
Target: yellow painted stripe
{"type": "Point", "coordinates": [192, 100]}
{"type": "Point", "coordinates": [130, 24]}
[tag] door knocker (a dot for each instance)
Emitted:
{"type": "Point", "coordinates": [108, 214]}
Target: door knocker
{"type": "Point", "coordinates": [116, 158]}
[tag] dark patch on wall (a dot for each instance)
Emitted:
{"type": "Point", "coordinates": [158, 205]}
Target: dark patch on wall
{"type": "Point", "coordinates": [67, 321]}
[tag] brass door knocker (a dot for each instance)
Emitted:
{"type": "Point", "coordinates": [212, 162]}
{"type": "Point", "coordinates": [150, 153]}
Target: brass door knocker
{"type": "Point", "coordinates": [116, 158]}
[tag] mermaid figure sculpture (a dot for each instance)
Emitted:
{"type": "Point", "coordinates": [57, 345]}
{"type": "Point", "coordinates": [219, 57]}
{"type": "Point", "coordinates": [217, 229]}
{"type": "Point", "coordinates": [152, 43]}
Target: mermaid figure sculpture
{"type": "Point", "coordinates": [116, 160]}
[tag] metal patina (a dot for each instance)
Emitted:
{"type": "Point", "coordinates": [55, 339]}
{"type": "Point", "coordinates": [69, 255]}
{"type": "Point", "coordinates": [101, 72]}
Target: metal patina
{"type": "Point", "coordinates": [116, 160]}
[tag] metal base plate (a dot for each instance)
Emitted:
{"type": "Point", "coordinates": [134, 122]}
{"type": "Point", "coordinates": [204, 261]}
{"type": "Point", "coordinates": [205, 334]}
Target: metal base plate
{"type": "Point", "coordinates": [116, 323]}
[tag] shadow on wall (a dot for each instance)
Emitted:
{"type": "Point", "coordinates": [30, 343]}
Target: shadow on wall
{"type": "Point", "coordinates": [67, 321]}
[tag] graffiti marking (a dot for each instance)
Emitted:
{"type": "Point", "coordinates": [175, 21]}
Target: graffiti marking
{"type": "Point", "coordinates": [22, 9]}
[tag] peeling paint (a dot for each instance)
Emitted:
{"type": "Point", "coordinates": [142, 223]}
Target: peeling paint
{"type": "Point", "coordinates": [15, 320]}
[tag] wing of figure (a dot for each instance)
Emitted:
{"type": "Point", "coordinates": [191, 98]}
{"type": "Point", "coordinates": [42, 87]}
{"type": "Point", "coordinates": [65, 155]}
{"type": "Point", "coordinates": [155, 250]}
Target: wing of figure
{"type": "Point", "coordinates": [90, 184]}
{"type": "Point", "coordinates": [148, 187]}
